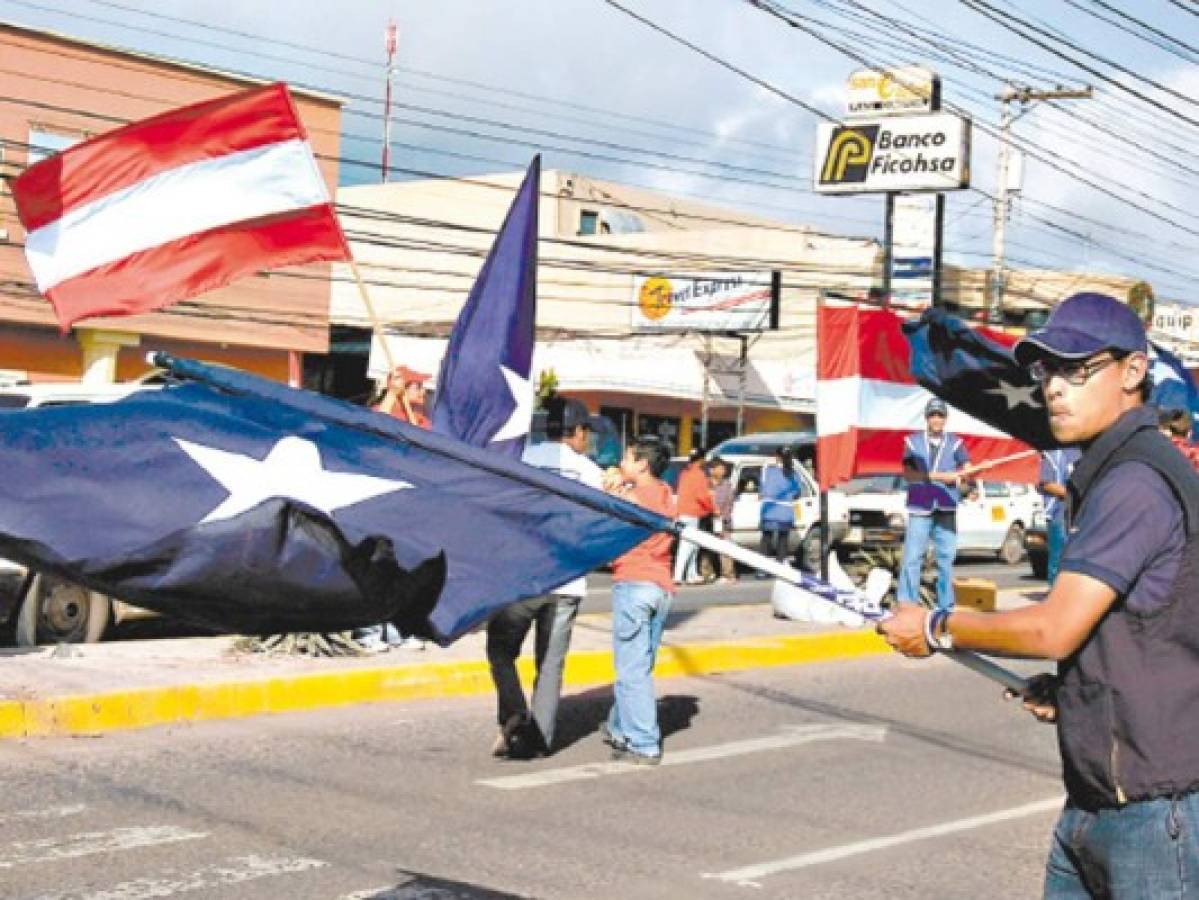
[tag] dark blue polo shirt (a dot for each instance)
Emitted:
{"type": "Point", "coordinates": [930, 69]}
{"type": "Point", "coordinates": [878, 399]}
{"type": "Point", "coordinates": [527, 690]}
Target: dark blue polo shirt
{"type": "Point", "coordinates": [1129, 535]}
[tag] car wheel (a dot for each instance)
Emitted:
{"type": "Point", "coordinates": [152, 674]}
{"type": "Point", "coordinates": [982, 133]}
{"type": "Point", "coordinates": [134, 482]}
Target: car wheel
{"type": "Point", "coordinates": [1039, 563]}
{"type": "Point", "coordinates": [1011, 551]}
{"type": "Point", "coordinates": [56, 611]}
{"type": "Point", "coordinates": [809, 551]}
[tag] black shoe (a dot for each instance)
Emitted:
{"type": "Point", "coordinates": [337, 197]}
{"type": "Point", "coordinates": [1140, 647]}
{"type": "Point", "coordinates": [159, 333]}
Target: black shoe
{"type": "Point", "coordinates": [637, 759]}
{"type": "Point", "coordinates": [524, 738]}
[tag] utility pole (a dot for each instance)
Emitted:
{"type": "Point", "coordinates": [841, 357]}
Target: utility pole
{"type": "Point", "coordinates": [391, 43]}
{"type": "Point", "coordinates": [1025, 96]}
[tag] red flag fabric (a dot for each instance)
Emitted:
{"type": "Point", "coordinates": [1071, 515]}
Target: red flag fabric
{"type": "Point", "coordinates": [867, 401]}
{"type": "Point", "coordinates": [170, 207]}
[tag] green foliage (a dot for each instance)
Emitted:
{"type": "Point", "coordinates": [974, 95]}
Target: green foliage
{"type": "Point", "coordinates": [547, 386]}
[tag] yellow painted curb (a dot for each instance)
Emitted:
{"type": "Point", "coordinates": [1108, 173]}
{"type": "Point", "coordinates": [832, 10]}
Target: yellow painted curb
{"type": "Point", "coordinates": [123, 710]}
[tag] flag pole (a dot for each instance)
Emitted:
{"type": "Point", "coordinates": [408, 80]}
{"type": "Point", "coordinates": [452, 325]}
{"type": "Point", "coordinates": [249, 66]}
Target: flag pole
{"type": "Point", "coordinates": [376, 325]}
{"type": "Point", "coordinates": [852, 600]}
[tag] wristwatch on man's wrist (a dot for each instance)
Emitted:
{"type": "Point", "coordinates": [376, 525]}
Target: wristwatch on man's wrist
{"type": "Point", "coordinates": [936, 630]}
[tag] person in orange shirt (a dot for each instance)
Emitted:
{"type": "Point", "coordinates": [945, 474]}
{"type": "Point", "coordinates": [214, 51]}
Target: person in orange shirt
{"type": "Point", "coordinates": [404, 399]}
{"type": "Point", "coordinates": [695, 502]}
{"type": "Point", "coordinates": [405, 396]}
{"type": "Point", "coordinates": [642, 591]}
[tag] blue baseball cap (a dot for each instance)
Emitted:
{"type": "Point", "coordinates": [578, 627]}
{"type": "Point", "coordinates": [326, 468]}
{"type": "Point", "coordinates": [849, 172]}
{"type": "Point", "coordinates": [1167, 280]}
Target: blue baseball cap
{"type": "Point", "coordinates": [1081, 326]}
{"type": "Point", "coordinates": [935, 405]}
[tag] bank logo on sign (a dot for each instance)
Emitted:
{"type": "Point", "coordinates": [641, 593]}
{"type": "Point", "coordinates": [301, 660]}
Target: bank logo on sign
{"type": "Point", "coordinates": [849, 155]}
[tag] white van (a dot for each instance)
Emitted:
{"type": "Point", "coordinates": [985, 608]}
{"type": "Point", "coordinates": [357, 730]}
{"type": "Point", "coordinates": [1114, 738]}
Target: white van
{"type": "Point", "coordinates": [47, 609]}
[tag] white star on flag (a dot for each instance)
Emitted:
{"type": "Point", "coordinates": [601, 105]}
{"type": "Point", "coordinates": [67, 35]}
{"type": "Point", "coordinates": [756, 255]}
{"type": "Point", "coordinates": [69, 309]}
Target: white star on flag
{"type": "Point", "coordinates": [292, 469]}
{"type": "Point", "coordinates": [1014, 395]}
{"type": "Point", "coordinates": [522, 415]}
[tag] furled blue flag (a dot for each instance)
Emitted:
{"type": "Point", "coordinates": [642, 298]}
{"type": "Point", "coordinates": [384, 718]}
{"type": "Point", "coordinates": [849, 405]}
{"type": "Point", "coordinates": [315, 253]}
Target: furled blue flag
{"type": "Point", "coordinates": [978, 375]}
{"type": "Point", "coordinates": [251, 506]}
{"type": "Point", "coordinates": [484, 392]}
{"type": "Point", "coordinates": [1173, 386]}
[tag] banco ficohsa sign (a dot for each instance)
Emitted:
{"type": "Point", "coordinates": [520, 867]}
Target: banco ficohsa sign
{"type": "Point", "coordinates": [900, 153]}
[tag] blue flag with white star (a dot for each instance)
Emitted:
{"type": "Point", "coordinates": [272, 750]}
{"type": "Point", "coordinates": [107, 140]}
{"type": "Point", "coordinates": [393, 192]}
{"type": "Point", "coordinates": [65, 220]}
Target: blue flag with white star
{"type": "Point", "coordinates": [1173, 386]}
{"type": "Point", "coordinates": [978, 375]}
{"type": "Point", "coordinates": [249, 506]}
{"type": "Point", "coordinates": [484, 392]}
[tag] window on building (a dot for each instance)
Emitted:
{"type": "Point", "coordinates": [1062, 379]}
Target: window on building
{"type": "Point", "coordinates": [43, 143]}
{"type": "Point", "coordinates": [588, 222]}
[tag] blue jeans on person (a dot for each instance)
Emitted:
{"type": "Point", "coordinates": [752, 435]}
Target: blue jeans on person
{"type": "Point", "coordinates": [1148, 849]}
{"type": "Point", "coordinates": [639, 610]}
{"type": "Point", "coordinates": [1056, 535]}
{"type": "Point", "coordinates": [941, 528]}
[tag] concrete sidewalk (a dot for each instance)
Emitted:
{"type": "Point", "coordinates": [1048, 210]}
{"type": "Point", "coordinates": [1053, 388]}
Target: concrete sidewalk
{"type": "Point", "coordinates": [95, 688]}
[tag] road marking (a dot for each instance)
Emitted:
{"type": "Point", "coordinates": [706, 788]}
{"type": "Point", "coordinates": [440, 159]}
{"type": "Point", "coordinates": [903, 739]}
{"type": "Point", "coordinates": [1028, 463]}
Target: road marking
{"type": "Point", "coordinates": [92, 842]}
{"type": "Point", "coordinates": [236, 870]}
{"type": "Point", "coordinates": [49, 812]}
{"type": "Point", "coordinates": [792, 736]}
{"type": "Point", "coordinates": [748, 876]}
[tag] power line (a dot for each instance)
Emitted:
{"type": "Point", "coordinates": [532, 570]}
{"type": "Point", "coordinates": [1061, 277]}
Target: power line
{"type": "Point", "coordinates": [985, 9]}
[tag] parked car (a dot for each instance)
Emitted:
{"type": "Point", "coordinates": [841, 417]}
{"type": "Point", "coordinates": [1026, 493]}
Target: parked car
{"type": "Point", "coordinates": [45, 608]}
{"type": "Point", "coordinates": [992, 519]}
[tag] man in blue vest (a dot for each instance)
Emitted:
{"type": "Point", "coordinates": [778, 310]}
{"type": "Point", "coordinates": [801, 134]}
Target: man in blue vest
{"type": "Point", "coordinates": [934, 462]}
{"type": "Point", "coordinates": [1122, 618]}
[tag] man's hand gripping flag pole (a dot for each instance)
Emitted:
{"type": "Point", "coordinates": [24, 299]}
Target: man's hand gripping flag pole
{"type": "Point", "coordinates": [852, 600]}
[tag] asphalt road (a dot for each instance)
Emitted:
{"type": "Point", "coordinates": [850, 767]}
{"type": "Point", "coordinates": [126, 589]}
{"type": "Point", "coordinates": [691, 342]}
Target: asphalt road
{"type": "Point", "coordinates": [878, 778]}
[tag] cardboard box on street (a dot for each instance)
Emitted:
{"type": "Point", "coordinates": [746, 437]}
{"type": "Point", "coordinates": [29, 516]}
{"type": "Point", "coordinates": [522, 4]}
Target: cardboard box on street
{"type": "Point", "coordinates": [975, 593]}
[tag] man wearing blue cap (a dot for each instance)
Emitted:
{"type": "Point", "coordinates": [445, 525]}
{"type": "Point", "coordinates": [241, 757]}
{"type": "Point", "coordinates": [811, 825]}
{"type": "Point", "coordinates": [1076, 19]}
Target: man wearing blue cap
{"type": "Point", "coordinates": [1122, 618]}
{"type": "Point", "coordinates": [934, 463]}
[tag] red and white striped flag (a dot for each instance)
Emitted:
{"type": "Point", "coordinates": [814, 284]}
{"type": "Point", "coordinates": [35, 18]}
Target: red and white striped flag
{"type": "Point", "coordinates": [170, 207]}
{"type": "Point", "coordinates": [867, 401]}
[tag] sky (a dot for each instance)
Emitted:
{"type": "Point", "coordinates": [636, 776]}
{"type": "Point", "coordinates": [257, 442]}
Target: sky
{"type": "Point", "coordinates": [484, 84]}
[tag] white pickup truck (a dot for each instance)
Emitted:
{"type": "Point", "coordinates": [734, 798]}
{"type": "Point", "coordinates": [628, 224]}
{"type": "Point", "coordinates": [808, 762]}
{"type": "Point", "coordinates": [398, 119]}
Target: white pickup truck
{"type": "Point", "coordinates": [991, 520]}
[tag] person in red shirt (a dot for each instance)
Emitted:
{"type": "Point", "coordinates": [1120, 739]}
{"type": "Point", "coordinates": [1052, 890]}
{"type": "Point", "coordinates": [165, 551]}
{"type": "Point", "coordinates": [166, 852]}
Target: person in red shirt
{"type": "Point", "coordinates": [405, 396]}
{"type": "Point", "coordinates": [1176, 425]}
{"type": "Point", "coordinates": [404, 399]}
{"type": "Point", "coordinates": [642, 590]}
{"type": "Point", "coordinates": [695, 502]}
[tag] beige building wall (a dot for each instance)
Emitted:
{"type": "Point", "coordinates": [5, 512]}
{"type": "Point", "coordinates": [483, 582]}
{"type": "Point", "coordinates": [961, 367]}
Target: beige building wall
{"type": "Point", "coordinates": [420, 245]}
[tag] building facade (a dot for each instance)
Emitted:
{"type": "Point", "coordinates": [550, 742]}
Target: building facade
{"type": "Point", "coordinates": [420, 245]}
{"type": "Point", "coordinates": [65, 90]}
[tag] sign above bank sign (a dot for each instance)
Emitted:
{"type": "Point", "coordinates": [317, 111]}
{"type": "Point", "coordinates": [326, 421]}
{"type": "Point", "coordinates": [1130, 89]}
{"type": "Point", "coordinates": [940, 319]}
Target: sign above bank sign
{"type": "Point", "coordinates": [898, 153]}
{"type": "Point", "coordinates": [908, 90]}
{"type": "Point", "coordinates": [716, 301]}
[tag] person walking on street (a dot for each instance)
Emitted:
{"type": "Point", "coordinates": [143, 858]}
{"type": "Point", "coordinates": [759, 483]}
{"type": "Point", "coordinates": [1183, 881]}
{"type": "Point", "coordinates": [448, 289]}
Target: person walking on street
{"type": "Point", "coordinates": [779, 491]}
{"type": "Point", "coordinates": [695, 502]}
{"type": "Point", "coordinates": [568, 427]}
{"type": "Point", "coordinates": [722, 522]}
{"type": "Point", "coordinates": [1122, 618]}
{"type": "Point", "coordinates": [933, 466]}
{"type": "Point", "coordinates": [404, 399]}
{"type": "Point", "coordinates": [1056, 466]}
{"type": "Point", "coordinates": [642, 590]}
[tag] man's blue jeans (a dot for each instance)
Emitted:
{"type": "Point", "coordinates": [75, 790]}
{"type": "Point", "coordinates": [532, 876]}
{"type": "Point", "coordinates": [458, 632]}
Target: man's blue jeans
{"type": "Point", "coordinates": [1148, 849]}
{"type": "Point", "coordinates": [1056, 535]}
{"type": "Point", "coordinates": [639, 610]}
{"type": "Point", "coordinates": [941, 528]}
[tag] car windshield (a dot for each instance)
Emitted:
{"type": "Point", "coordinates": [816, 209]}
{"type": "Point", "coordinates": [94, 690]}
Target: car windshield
{"type": "Point", "coordinates": [14, 401]}
{"type": "Point", "coordinates": [872, 484]}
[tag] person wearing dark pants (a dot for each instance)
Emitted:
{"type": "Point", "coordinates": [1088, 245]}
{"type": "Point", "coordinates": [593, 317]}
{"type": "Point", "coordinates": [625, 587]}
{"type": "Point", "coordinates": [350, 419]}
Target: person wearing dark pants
{"type": "Point", "coordinates": [553, 619]}
{"type": "Point", "coordinates": [568, 427]}
{"type": "Point", "coordinates": [1121, 618]}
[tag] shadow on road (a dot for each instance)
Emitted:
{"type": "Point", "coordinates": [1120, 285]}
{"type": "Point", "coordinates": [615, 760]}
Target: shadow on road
{"type": "Point", "coordinates": [580, 715]}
